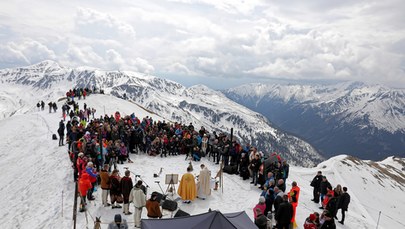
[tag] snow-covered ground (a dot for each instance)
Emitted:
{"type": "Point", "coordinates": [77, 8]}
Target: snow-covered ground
{"type": "Point", "coordinates": [37, 186]}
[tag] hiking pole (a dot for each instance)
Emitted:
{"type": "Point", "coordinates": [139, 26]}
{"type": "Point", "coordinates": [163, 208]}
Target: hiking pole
{"type": "Point", "coordinates": [378, 221]}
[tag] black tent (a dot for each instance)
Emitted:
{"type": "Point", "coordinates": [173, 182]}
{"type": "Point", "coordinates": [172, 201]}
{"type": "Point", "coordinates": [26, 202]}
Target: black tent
{"type": "Point", "coordinates": [209, 220]}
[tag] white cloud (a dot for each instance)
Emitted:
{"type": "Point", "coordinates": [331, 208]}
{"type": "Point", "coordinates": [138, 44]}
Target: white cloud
{"type": "Point", "coordinates": [94, 24]}
{"type": "Point", "coordinates": [338, 39]}
{"type": "Point", "coordinates": [179, 68]}
{"type": "Point", "coordinates": [25, 52]}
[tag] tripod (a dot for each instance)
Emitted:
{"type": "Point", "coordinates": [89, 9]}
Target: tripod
{"type": "Point", "coordinates": [171, 186]}
{"type": "Point", "coordinates": [158, 182]}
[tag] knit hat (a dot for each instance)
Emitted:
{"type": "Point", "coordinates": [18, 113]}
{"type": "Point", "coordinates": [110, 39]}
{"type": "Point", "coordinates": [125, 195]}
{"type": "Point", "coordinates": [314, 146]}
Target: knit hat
{"type": "Point", "coordinates": [312, 217]}
{"type": "Point", "coordinates": [117, 218]}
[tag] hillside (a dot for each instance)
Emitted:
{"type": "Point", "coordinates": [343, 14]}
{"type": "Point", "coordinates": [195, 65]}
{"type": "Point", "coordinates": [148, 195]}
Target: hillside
{"type": "Point", "coordinates": [198, 104]}
{"type": "Point", "coordinates": [367, 121]}
{"type": "Point", "coordinates": [40, 185]}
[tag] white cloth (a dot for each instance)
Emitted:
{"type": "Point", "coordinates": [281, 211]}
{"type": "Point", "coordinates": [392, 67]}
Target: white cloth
{"type": "Point", "coordinates": [139, 199]}
{"type": "Point", "coordinates": [203, 185]}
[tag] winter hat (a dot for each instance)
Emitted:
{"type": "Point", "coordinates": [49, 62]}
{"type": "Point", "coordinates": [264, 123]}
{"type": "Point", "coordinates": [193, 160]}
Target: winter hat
{"type": "Point", "coordinates": [117, 218]}
{"type": "Point", "coordinates": [81, 154]}
{"type": "Point", "coordinates": [262, 200]}
{"type": "Point", "coordinates": [90, 164]}
{"type": "Point", "coordinates": [312, 217]}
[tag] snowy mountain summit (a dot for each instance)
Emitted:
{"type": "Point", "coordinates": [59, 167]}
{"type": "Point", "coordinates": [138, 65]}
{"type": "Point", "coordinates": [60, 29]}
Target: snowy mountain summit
{"type": "Point", "coordinates": [353, 118]}
{"type": "Point", "coordinates": [198, 104]}
{"type": "Point", "coordinates": [38, 187]}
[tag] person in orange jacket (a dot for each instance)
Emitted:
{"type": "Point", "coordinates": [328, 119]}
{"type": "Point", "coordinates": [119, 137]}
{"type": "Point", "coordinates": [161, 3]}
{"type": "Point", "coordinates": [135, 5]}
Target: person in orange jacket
{"type": "Point", "coordinates": [293, 196]}
{"type": "Point", "coordinates": [84, 186]}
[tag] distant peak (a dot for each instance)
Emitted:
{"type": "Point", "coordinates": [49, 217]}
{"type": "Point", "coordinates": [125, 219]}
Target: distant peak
{"type": "Point", "coordinates": [46, 64]}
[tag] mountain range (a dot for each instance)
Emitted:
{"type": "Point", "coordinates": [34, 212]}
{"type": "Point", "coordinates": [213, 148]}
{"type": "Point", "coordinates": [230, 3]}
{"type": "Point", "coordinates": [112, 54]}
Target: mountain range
{"type": "Point", "coordinates": [366, 121]}
{"type": "Point", "coordinates": [198, 104]}
{"type": "Point", "coordinates": [38, 189]}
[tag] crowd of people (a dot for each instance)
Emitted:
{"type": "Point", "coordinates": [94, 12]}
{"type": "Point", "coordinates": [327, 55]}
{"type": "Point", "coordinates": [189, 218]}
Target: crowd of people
{"type": "Point", "coordinates": [330, 199]}
{"type": "Point", "coordinates": [96, 145]}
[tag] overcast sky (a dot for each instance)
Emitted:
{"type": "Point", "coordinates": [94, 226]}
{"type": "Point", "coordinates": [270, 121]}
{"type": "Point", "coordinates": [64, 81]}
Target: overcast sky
{"type": "Point", "coordinates": [216, 42]}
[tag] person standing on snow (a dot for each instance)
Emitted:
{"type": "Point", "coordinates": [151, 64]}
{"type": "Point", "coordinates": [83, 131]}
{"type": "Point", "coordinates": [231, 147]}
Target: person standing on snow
{"type": "Point", "coordinates": [323, 187]}
{"type": "Point", "coordinates": [50, 104]}
{"type": "Point", "coordinates": [93, 179]}
{"type": "Point", "coordinates": [293, 196]}
{"type": "Point", "coordinates": [105, 185]}
{"type": "Point", "coordinates": [138, 198]}
{"type": "Point", "coordinates": [329, 222]}
{"type": "Point", "coordinates": [343, 204]}
{"type": "Point", "coordinates": [61, 132]}
{"type": "Point", "coordinates": [284, 214]}
{"type": "Point", "coordinates": [261, 205]}
{"type": "Point", "coordinates": [84, 185]}
{"type": "Point", "coordinates": [187, 188]}
{"type": "Point", "coordinates": [203, 185]}
{"type": "Point", "coordinates": [254, 166]}
{"type": "Point", "coordinates": [126, 187]}
{"type": "Point", "coordinates": [316, 183]}
{"type": "Point", "coordinates": [115, 190]}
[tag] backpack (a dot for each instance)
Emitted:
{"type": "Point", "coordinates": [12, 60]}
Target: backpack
{"type": "Point", "coordinates": [54, 137]}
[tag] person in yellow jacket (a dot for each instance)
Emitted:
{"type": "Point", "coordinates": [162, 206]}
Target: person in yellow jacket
{"type": "Point", "coordinates": [187, 189]}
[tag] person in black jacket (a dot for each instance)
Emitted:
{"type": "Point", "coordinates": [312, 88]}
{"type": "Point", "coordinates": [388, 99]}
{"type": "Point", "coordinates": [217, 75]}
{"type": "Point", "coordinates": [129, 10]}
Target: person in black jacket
{"type": "Point", "coordinates": [243, 168]}
{"type": "Point", "coordinates": [316, 182]}
{"type": "Point", "coordinates": [278, 198]}
{"type": "Point", "coordinates": [343, 203]}
{"type": "Point", "coordinates": [323, 187]}
{"type": "Point", "coordinates": [329, 222]}
{"type": "Point", "coordinates": [332, 206]}
{"type": "Point", "coordinates": [284, 214]}
{"type": "Point", "coordinates": [61, 132]}
{"type": "Point", "coordinates": [255, 165]}
{"type": "Point", "coordinates": [260, 220]}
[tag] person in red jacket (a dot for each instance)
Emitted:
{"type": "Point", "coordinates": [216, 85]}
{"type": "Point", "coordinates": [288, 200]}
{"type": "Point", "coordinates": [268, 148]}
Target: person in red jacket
{"type": "Point", "coordinates": [126, 187]}
{"type": "Point", "coordinates": [293, 196]}
{"type": "Point", "coordinates": [310, 222]}
{"type": "Point", "coordinates": [84, 186]}
{"type": "Point", "coordinates": [81, 163]}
